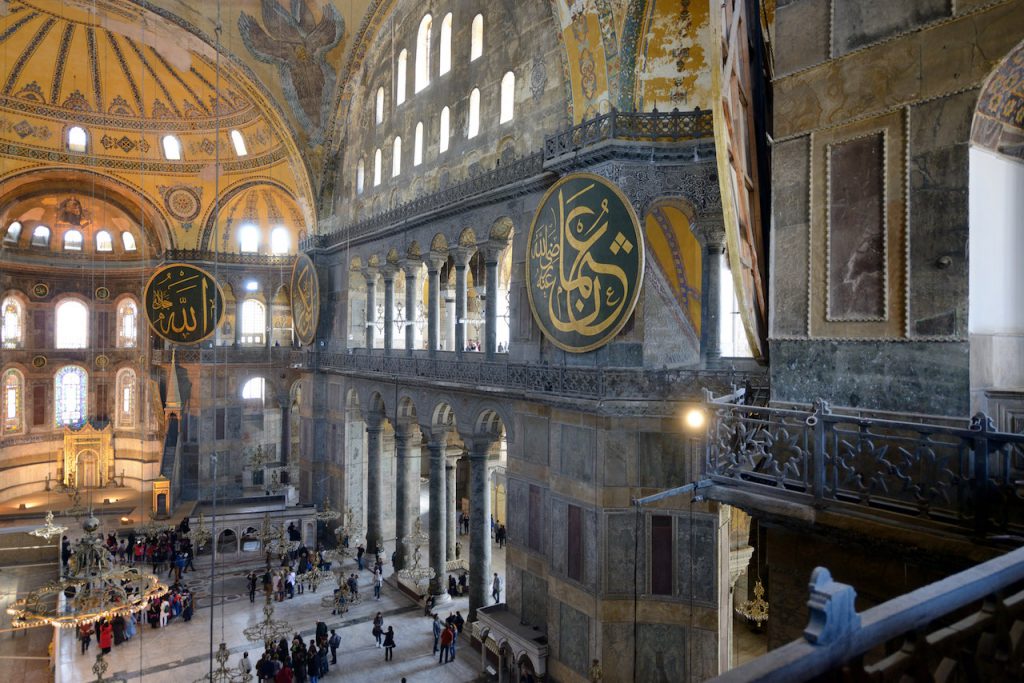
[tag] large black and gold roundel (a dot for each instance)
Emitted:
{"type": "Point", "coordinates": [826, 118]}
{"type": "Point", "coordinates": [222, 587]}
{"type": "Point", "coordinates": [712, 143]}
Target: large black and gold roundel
{"type": "Point", "coordinates": [305, 299]}
{"type": "Point", "coordinates": [184, 304]}
{"type": "Point", "coordinates": [585, 262]}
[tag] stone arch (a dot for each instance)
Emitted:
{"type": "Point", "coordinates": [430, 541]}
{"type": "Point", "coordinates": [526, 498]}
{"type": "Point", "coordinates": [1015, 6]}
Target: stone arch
{"type": "Point", "coordinates": [491, 419]}
{"type": "Point", "coordinates": [997, 125]}
{"type": "Point", "coordinates": [501, 229]}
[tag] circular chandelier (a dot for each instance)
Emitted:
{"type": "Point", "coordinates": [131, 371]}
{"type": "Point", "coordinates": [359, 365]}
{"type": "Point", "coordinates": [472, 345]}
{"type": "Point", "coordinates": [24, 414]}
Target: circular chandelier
{"type": "Point", "coordinates": [327, 513]}
{"type": "Point", "coordinates": [338, 601]}
{"type": "Point", "coordinates": [201, 535]}
{"type": "Point", "coordinates": [270, 630]}
{"type": "Point", "coordinates": [351, 530]}
{"type": "Point", "coordinates": [223, 673]}
{"type": "Point", "coordinates": [417, 538]}
{"type": "Point", "coordinates": [49, 530]}
{"type": "Point", "coordinates": [92, 589]}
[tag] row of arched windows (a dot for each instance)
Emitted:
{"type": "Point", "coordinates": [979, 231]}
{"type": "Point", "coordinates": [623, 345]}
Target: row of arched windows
{"type": "Point", "coordinates": [78, 141]}
{"type": "Point", "coordinates": [71, 324]}
{"type": "Point", "coordinates": [70, 398]}
{"type": "Point", "coordinates": [73, 239]}
{"type": "Point", "coordinates": [506, 114]}
{"type": "Point", "coordinates": [249, 239]}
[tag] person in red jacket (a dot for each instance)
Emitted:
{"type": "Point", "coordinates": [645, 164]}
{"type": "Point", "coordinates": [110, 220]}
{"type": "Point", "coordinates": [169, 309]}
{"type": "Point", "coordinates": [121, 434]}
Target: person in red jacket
{"type": "Point", "coordinates": [446, 645]}
{"type": "Point", "coordinates": [284, 674]}
{"type": "Point", "coordinates": [106, 637]}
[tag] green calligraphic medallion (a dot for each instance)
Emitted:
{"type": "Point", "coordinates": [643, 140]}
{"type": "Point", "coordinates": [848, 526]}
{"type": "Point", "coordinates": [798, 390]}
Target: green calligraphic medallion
{"type": "Point", "coordinates": [305, 299]}
{"type": "Point", "coordinates": [585, 262]}
{"type": "Point", "coordinates": [184, 304]}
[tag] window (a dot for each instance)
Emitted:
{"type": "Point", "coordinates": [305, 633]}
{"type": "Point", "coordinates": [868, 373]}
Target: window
{"type": "Point", "coordinates": [14, 390]}
{"type": "Point", "coordinates": [71, 324]}
{"type": "Point", "coordinates": [731, 332]}
{"type": "Point", "coordinates": [73, 240]}
{"type": "Point", "coordinates": [239, 142]}
{"type": "Point", "coordinates": [126, 387]}
{"type": "Point", "coordinates": [253, 389]}
{"type": "Point", "coordinates": [403, 66]}
{"type": "Point", "coordinates": [661, 555]}
{"type": "Point", "coordinates": [378, 116]}
{"type": "Point", "coordinates": [77, 139]}
{"type": "Point", "coordinates": [41, 236]}
{"type": "Point", "coordinates": [360, 176]}
{"type": "Point", "coordinates": [128, 240]}
{"type": "Point", "coordinates": [172, 148]}
{"type": "Point", "coordinates": [249, 239]}
{"type": "Point", "coordinates": [508, 96]}
{"type": "Point", "coordinates": [251, 285]}
{"type": "Point", "coordinates": [442, 145]}
{"type": "Point", "coordinates": [396, 157]}
{"type": "Point", "coordinates": [417, 145]}
{"type": "Point", "coordinates": [376, 167]}
{"type": "Point", "coordinates": [474, 113]}
{"type": "Point", "coordinates": [280, 240]}
{"type": "Point", "coordinates": [127, 324]}
{"type": "Point", "coordinates": [12, 330]}
{"type": "Point", "coordinates": [423, 54]}
{"type": "Point", "coordinates": [476, 45]}
{"type": "Point", "coordinates": [13, 232]}
{"type": "Point", "coordinates": [70, 391]}
{"type": "Point", "coordinates": [104, 242]}
{"type": "Point", "coordinates": [253, 321]}
{"type": "Point", "coordinates": [446, 45]}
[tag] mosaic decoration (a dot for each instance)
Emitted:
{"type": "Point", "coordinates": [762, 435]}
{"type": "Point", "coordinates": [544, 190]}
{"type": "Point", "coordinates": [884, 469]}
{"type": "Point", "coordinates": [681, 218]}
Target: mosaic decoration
{"type": "Point", "coordinates": [585, 262]}
{"type": "Point", "coordinates": [183, 202]}
{"type": "Point", "coordinates": [184, 304]}
{"type": "Point", "coordinates": [305, 290]}
{"type": "Point", "coordinates": [102, 293]}
{"type": "Point", "coordinates": [40, 290]}
{"type": "Point", "coordinates": [39, 362]}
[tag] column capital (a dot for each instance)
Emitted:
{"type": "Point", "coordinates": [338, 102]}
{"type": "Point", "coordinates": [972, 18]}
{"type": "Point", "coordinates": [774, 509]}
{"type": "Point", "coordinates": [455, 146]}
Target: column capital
{"type": "Point", "coordinates": [388, 272]}
{"type": "Point", "coordinates": [478, 445]}
{"type": "Point", "coordinates": [491, 250]}
{"type": "Point", "coordinates": [374, 422]}
{"type": "Point", "coordinates": [462, 256]}
{"type": "Point", "coordinates": [434, 260]}
{"type": "Point", "coordinates": [410, 266]}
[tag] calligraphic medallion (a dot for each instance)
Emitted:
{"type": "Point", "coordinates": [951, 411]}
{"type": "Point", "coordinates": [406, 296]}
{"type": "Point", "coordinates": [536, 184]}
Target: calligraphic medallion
{"type": "Point", "coordinates": [585, 262]}
{"type": "Point", "coordinates": [305, 291]}
{"type": "Point", "coordinates": [184, 304]}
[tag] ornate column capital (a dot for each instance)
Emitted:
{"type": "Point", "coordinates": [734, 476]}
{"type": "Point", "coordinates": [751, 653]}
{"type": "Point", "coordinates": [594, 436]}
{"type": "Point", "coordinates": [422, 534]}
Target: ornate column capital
{"type": "Point", "coordinates": [434, 260]}
{"type": "Point", "coordinates": [388, 272]}
{"type": "Point", "coordinates": [462, 255]}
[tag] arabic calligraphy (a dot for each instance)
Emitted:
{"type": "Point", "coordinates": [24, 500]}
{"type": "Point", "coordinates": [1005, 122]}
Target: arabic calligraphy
{"type": "Point", "coordinates": [183, 303]}
{"type": "Point", "coordinates": [305, 299]}
{"type": "Point", "coordinates": [585, 262]}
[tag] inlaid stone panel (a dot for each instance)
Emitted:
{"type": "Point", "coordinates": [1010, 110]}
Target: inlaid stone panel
{"type": "Point", "coordinates": [574, 639]}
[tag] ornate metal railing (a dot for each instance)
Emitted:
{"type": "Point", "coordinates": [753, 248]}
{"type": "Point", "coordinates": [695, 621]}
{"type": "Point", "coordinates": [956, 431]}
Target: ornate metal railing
{"type": "Point", "coordinates": [238, 354]}
{"type": "Point", "coordinates": [228, 257]}
{"type": "Point", "coordinates": [964, 476]}
{"type": "Point", "coordinates": [655, 126]}
{"type": "Point", "coordinates": [922, 635]}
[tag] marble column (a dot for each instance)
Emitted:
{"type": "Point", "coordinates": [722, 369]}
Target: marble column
{"type": "Point", "coordinates": [268, 323]}
{"type": "Point", "coordinates": [374, 486]}
{"type": "Point", "coordinates": [434, 264]}
{"type": "Point", "coordinates": [437, 547]}
{"type": "Point", "coordinates": [451, 532]}
{"type": "Point", "coordinates": [461, 263]}
{"type": "Point", "coordinates": [389, 308]}
{"type": "Point", "coordinates": [710, 326]}
{"type": "Point", "coordinates": [479, 528]}
{"type": "Point", "coordinates": [449, 319]}
{"type": "Point", "coordinates": [410, 305]}
{"type": "Point", "coordinates": [491, 330]}
{"type": "Point", "coordinates": [371, 307]}
{"type": "Point", "coordinates": [405, 490]}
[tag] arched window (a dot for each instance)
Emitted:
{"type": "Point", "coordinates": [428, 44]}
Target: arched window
{"type": "Point", "coordinates": [41, 236]}
{"type": "Point", "coordinates": [508, 97]}
{"type": "Point", "coordinates": [423, 54]}
{"type": "Point", "coordinates": [403, 66]}
{"type": "Point", "coordinates": [71, 324]}
{"type": "Point", "coordinates": [280, 240]}
{"type": "Point", "coordinates": [446, 45]}
{"type": "Point", "coordinates": [13, 232]}
{"type": "Point", "coordinates": [249, 239]}
{"type": "Point", "coordinates": [417, 145]}
{"type": "Point", "coordinates": [172, 148]}
{"type": "Point", "coordinates": [127, 324]}
{"type": "Point", "coordinates": [378, 109]}
{"type": "Point", "coordinates": [14, 391]}
{"type": "Point", "coordinates": [70, 393]}
{"type": "Point", "coordinates": [360, 176]}
{"type": "Point", "coordinates": [476, 45]}
{"type": "Point", "coordinates": [104, 242]}
{"type": "Point", "coordinates": [126, 398]}
{"type": "Point", "coordinates": [239, 143]}
{"type": "Point", "coordinates": [377, 161]}
{"type": "Point", "coordinates": [77, 139]}
{"type": "Point", "coordinates": [253, 389]}
{"type": "Point", "coordinates": [396, 157]}
{"type": "Point", "coordinates": [442, 145]}
{"type": "Point", "coordinates": [474, 113]}
{"type": "Point", "coordinates": [12, 330]}
{"type": "Point", "coordinates": [732, 334]}
{"type": "Point", "coordinates": [73, 240]}
{"type": "Point", "coordinates": [128, 240]}
{"type": "Point", "coordinates": [254, 321]}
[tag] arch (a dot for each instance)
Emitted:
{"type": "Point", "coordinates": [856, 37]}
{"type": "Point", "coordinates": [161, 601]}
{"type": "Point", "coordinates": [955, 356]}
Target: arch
{"type": "Point", "coordinates": [360, 175]}
{"type": "Point", "coordinates": [40, 236]}
{"type": "Point", "coordinates": [678, 255]}
{"type": "Point", "coordinates": [423, 54]}
{"type": "Point", "coordinates": [396, 157]}
{"type": "Point", "coordinates": [489, 421]}
{"type": "Point", "coordinates": [473, 125]}
{"type": "Point", "coordinates": [12, 322]}
{"type": "Point", "coordinates": [104, 241]}
{"type": "Point", "coordinates": [280, 241]}
{"type": "Point", "coordinates": [272, 199]}
{"type": "Point", "coordinates": [254, 389]}
{"type": "Point", "coordinates": [13, 388]}
{"type": "Point", "coordinates": [127, 323]}
{"type": "Point", "coordinates": [73, 240]}
{"type": "Point", "coordinates": [467, 238]}
{"type": "Point", "coordinates": [71, 324]}
{"type": "Point", "coordinates": [443, 416]}
{"type": "Point", "coordinates": [126, 398]}
{"type": "Point", "coordinates": [375, 406]}
{"type": "Point", "coordinates": [78, 139]}
{"type": "Point", "coordinates": [254, 321]}
{"type": "Point", "coordinates": [378, 107]}
{"type": "Point", "coordinates": [445, 52]}
{"type": "Point", "coordinates": [227, 542]}
{"type": "Point", "coordinates": [400, 76]}
{"type": "Point", "coordinates": [501, 229]}
{"type": "Point", "coordinates": [378, 163]}
{"type": "Point", "coordinates": [417, 145]}
{"type": "Point", "coordinates": [238, 142]}
{"type": "Point", "coordinates": [13, 233]}
{"type": "Point", "coordinates": [476, 43]}
{"type": "Point", "coordinates": [439, 243]}
{"type": "Point", "coordinates": [171, 147]}
{"type": "Point", "coordinates": [414, 251]}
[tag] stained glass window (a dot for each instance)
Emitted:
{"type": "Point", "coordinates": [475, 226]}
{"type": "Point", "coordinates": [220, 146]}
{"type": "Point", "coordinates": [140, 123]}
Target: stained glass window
{"type": "Point", "coordinates": [126, 398]}
{"type": "Point", "coordinates": [14, 391]}
{"type": "Point", "coordinates": [71, 391]}
{"type": "Point", "coordinates": [72, 324]}
{"type": "Point", "coordinates": [12, 330]}
{"type": "Point", "coordinates": [127, 324]}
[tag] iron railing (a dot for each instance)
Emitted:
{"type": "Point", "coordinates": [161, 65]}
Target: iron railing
{"type": "Point", "coordinates": [238, 354]}
{"type": "Point", "coordinates": [228, 257]}
{"type": "Point", "coordinates": [655, 126]}
{"type": "Point", "coordinates": [965, 476]}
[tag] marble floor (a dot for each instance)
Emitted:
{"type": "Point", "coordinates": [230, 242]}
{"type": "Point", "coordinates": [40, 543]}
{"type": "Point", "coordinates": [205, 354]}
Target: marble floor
{"type": "Point", "coordinates": [24, 653]}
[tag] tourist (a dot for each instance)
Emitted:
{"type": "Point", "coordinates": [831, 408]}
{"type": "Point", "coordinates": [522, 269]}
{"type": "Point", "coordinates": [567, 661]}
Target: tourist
{"type": "Point", "coordinates": [360, 551]}
{"type": "Point", "coordinates": [244, 665]}
{"type": "Point", "coordinates": [459, 622]}
{"type": "Point", "coordinates": [378, 628]}
{"type": "Point", "coordinates": [389, 644]}
{"type": "Point", "coordinates": [334, 642]}
{"type": "Point", "coordinates": [438, 627]}
{"type": "Point", "coordinates": [496, 589]}
{"type": "Point", "coordinates": [85, 635]}
{"type": "Point", "coordinates": [312, 663]}
{"type": "Point", "coordinates": [378, 581]}
{"type": "Point", "coordinates": [447, 636]}
{"type": "Point", "coordinates": [455, 638]}
{"type": "Point", "coordinates": [252, 586]}
{"type": "Point", "coordinates": [105, 637]}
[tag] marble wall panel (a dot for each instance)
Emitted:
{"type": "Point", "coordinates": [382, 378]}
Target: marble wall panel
{"type": "Point", "coordinates": [574, 639]}
{"type": "Point", "coordinates": [535, 600]}
{"type": "Point", "coordinates": [233, 426]}
{"type": "Point", "coordinates": [860, 23]}
{"type": "Point", "coordinates": [518, 509]}
{"type": "Point", "coordinates": [536, 439]}
{"type": "Point", "coordinates": [559, 536]}
{"type": "Point", "coordinates": [662, 652]}
{"type": "Point", "coordinates": [663, 459]}
{"type": "Point", "coordinates": [620, 553]}
{"type": "Point", "coordinates": [618, 454]}
{"type": "Point", "coordinates": [789, 238]}
{"type": "Point", "coordinates": [577, 453]}
{"type": "Point", "coordinates": [696, 553]}
{"type": "Point", "coordinates": [591, 550]}
{"type": "Point", "coordinates": [802, 28]}
{"type": "Point", "coordinates": [617, 638]}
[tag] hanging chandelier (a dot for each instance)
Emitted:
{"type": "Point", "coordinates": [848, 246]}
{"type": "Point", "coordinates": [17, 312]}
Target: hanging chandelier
{"type": "Point", "coordinates": [270, 630]}
{"type": "Point", "coordinates": [76, 509]}
{"type": "Point", "coordinates": [258, 458]}
{"type": "Point", "coordinates": [201, 535]}
{"type": "Point", "coordinates": [49, 530]}
{"type": "Point", "coordinates": [351, 530]}
{"type": "Point", "coordinates": [223, 673]}
{"type": "Point", "coordinates": [755, 610]}
{"type": "Point", "coordinates": [153, 528]}
{"type": "Point", "coordinates": [274, 538]}
{"type": "Point", "coordinates": [338, 601]}
{"type": "Point", "coordinates": [92, 589]}
{"type": "Point", "coordinates": [417, 538]}
{"type": "Point", "coordinates": [327, 513]}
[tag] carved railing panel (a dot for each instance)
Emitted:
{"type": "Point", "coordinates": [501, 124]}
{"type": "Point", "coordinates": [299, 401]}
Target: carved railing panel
{"type": "Point", "coordinates": [228, 257]}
